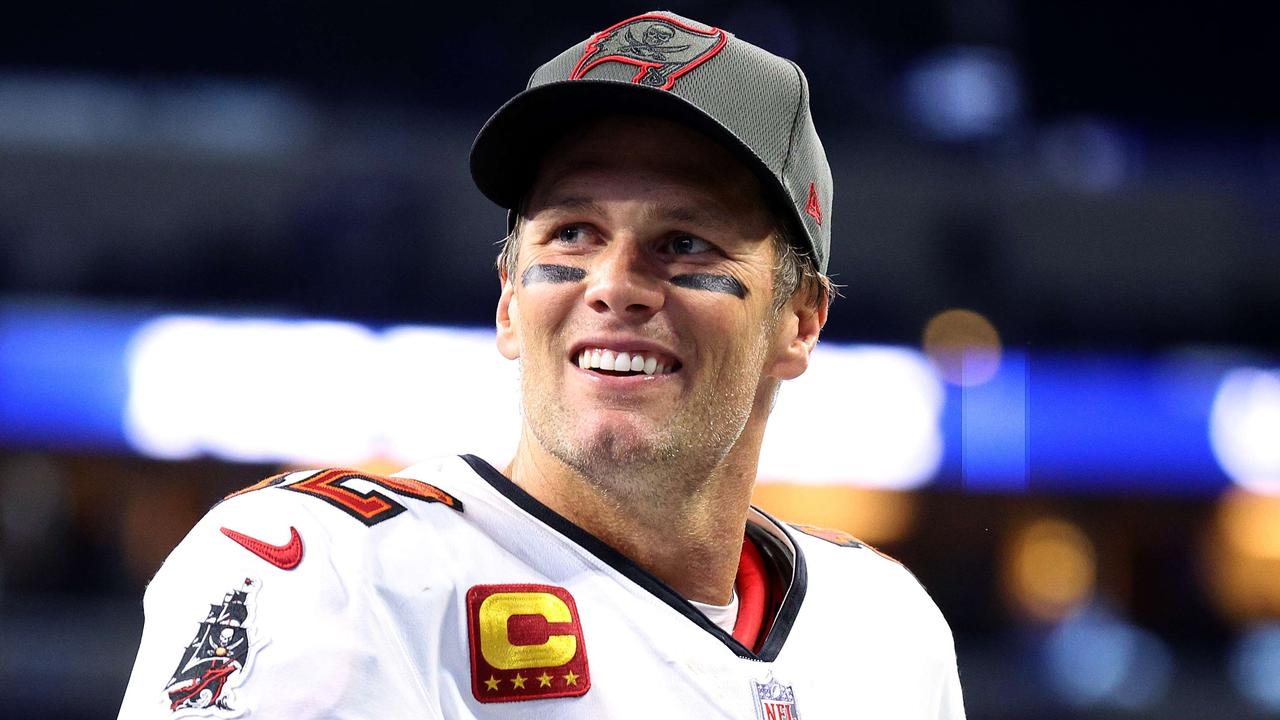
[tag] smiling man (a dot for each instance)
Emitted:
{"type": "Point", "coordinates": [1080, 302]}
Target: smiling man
{"type": "Point", "coordinates": [669, 231]}
{"type": "Point", "coordinates": [651, 353]}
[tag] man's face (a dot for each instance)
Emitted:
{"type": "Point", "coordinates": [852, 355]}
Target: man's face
{"type": "Point", "coordinates": [646, 238]}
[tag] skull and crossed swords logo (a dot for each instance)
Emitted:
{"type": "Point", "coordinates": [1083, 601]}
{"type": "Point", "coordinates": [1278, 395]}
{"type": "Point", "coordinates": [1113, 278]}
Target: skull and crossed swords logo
{"type": "Point", "coordinates": [653, 44]}
{"type": "Point", "coordinates": [661, 47]}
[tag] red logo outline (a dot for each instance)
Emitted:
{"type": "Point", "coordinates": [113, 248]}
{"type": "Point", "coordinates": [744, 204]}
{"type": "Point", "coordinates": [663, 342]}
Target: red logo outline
{"type": "Point", "coordinates": [593, 45]}
{"type": "Point", "coordinates": [285, 557]}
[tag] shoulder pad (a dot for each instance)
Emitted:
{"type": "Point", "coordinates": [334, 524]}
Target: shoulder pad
{"type": "Point", "coordinates": [841, 538]}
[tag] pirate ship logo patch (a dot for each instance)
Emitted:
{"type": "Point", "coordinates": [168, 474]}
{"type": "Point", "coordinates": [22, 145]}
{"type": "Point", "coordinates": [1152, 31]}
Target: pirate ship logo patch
{"type": "Point", "coordinates": [662, 47]}
{"type": "Point", "coordinates": [774, 701]}
{"type": "Point", "coordinates": [217, 658]}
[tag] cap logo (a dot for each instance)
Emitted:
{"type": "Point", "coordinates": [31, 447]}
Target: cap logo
{"type": "Point", "coordinates": [663, 48]}
{"type": "Point", "coordinates": [813, 206]}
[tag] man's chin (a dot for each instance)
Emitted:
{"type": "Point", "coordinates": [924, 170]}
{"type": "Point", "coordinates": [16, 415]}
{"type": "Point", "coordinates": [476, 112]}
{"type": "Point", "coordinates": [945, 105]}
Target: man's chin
{"type": "Point", "coordinates": [610, 450]}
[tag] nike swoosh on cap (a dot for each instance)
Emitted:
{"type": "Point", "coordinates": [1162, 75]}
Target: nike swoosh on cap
{"type": "Point", "coordinates": [285, 557]}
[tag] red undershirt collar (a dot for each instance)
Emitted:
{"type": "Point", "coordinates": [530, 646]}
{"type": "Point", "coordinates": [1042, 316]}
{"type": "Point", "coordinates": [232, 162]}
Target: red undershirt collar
{"type": "Point", "coordinates": [754, 597]}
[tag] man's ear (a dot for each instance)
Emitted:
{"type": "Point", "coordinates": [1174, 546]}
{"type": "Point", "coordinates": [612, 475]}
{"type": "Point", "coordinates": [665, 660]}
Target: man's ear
{"type": "Point", "coordinates": [508, 318]}
{"type": "Point", "coordinates": [798, 327]}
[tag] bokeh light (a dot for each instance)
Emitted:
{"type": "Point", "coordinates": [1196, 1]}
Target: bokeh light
{"type": "Point", "coordinates": [864, 415]}
{"type": "Point", "coordinates": [1255, 666]}
{"type": "Point", "coordinates": [1097, 659]}
{"type": "Point", "coordinates": [965, 93]}
{"type": "Point", "coordinates": [1049, 569]}
{"type": "Point", "coordinates": [1244, 428]}
{"type": "Point", "coordinates": [964, 346]}
{"type": "Point", "coordinates": [1085, 154]}
{"type": "Point", "coordinates": [876, 516]}
{"type": "Point", "coordinates": [253, 390]}
{"type": "Point", "coordinates": [1241, 555]}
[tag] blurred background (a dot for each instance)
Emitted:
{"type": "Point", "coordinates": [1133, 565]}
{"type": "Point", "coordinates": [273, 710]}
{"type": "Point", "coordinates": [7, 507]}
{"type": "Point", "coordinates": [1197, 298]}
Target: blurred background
{"type": "Point", "coordinates": [242, 239]}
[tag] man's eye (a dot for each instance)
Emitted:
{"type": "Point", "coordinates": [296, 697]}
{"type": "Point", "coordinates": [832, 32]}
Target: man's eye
{"type": "Point", "coordinates": [689, 245]}
{"type": "Point", "coordinates": [571, 235]}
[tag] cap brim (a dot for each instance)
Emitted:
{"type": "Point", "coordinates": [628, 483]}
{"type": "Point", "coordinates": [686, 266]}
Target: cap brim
{"type": "Point", "coordinates": [506, 153]}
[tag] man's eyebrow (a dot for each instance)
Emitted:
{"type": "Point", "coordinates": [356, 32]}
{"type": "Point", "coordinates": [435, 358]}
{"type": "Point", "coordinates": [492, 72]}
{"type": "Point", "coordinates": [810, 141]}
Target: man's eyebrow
{"type": "Point", "coordinates": [571, 203]}
{"type": "Point", "coordinates": [685, 214]}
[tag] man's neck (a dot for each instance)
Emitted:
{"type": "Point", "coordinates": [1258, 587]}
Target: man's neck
{"type": "Point", "coordinates": [686, 531]}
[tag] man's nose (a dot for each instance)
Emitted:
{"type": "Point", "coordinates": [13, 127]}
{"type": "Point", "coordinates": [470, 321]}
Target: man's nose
{"type": "Point", "coordinates": [624, 280]}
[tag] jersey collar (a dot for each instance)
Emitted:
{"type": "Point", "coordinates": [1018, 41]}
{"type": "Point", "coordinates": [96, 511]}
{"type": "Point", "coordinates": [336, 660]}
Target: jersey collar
{"type": "Point", "coordinates": [782, 562]}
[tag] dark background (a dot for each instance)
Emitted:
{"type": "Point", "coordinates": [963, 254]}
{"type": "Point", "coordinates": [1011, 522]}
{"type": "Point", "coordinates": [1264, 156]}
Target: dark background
{"type": "Point", "coordinates": [1093, 177]}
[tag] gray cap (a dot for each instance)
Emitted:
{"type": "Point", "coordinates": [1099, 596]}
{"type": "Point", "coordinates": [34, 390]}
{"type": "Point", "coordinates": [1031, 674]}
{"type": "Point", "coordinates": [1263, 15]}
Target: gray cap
{"type": "Point", "coordinates": [754, 102]}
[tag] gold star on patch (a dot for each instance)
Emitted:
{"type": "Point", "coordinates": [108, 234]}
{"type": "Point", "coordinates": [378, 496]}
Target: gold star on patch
{"type": "Point", "coordinates": [544, 680]}
{"type": "Point", "coordinates": [518, 681]}
{"type": "Point", "coordinates": [570, 679]}
{"type": "Point", "coordinates": [491, 683]}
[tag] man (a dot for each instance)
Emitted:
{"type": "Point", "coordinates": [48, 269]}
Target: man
{"type": "Point", "coordinates": [669, 230]}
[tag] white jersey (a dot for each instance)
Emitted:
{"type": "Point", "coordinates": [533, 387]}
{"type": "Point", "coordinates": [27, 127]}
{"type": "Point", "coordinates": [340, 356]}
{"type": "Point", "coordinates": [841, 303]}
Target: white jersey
{"type": "Point", "coordinates": [448, 592]}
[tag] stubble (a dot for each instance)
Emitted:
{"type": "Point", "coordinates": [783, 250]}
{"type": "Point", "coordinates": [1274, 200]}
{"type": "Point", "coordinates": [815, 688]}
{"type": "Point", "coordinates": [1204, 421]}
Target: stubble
{"type": "Point", "coordinates": [650, 466]}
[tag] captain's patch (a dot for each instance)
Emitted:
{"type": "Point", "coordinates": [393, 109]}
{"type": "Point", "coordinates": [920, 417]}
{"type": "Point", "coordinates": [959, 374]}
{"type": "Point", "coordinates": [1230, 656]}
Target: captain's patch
{"type": "Point", "coordinates": [526, 643]}
{"type": "Point", "coordinates": [217, 658]}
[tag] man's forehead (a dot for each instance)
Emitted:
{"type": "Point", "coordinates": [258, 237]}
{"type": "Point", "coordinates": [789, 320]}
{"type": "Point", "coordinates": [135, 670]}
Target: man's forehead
{"type": "Point", "coordinates": [680, 208]}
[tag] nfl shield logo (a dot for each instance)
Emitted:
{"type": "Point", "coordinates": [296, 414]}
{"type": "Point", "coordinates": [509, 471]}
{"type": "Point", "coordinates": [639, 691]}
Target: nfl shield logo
{"type": "Point", "coordinates": [774, 701]}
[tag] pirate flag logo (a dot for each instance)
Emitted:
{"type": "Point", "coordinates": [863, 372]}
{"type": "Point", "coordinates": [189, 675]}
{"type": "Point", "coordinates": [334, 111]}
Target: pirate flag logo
{"type": "Point", "coordinates": [663, 48]}
{"type": "Point", "coordinates": [217, 657]}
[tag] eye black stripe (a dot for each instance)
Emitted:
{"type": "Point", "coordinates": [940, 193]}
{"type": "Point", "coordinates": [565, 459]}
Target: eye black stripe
{"type": "Point", "coordinates": [552, 274]}
{"type": "Point", "coordinates": [710, 283]}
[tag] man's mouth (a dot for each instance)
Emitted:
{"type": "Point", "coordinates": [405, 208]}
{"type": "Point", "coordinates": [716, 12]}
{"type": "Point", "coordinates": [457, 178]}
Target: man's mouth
{"type": "Point", "coordinates": [622, 363]}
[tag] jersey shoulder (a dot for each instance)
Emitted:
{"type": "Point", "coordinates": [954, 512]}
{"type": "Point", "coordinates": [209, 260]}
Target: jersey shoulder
{"type": "Point", "coordinates": [364, 523]}
{"type": "Point", "coordinates": [335, 521]}
{"type": "Point", "coordinates": [291, 579]}
{"type": "Point", "coordinates": [840, 565]}
{"type": "Point", "coordinates": [284, 521]}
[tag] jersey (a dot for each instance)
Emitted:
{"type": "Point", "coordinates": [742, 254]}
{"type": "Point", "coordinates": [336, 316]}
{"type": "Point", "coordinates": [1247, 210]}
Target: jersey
{"type": "Point", "coordinates": [446, 591]}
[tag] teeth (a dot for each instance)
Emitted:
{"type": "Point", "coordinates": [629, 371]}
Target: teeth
{"type": "Point", "coordinates": [620, 361]}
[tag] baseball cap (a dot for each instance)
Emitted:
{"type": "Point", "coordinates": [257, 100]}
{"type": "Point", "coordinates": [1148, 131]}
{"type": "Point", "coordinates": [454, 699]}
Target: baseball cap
{"type": "Point", "coordinates": [659, 63]}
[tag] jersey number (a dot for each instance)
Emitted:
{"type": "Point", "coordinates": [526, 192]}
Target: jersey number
{"type": "Point", "coordinates": [369, 507]}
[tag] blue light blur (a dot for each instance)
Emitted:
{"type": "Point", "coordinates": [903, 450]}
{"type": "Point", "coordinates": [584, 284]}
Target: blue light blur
{"type": "Point", "coordinates": [1084, 423]}
{"type": "Point", "coordinates": [1096, 659]}
{"type": "Point", "coordinates": [965, 93]}
{"type": "Point", "coordinates": [1255, 666]}
{"type": "Point", "coordinates": [211, 117]}
{"type": "Point", "coordinates": [1058, 423]}
{"type": "Point", "coordinates": [1087, 154]}
{"type": "Point", "coordinates": [993, 429]}
{"type": "Point", "coordinates": [62, 376]}
{"type": "Point", "coordinates": [1094, 419]}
